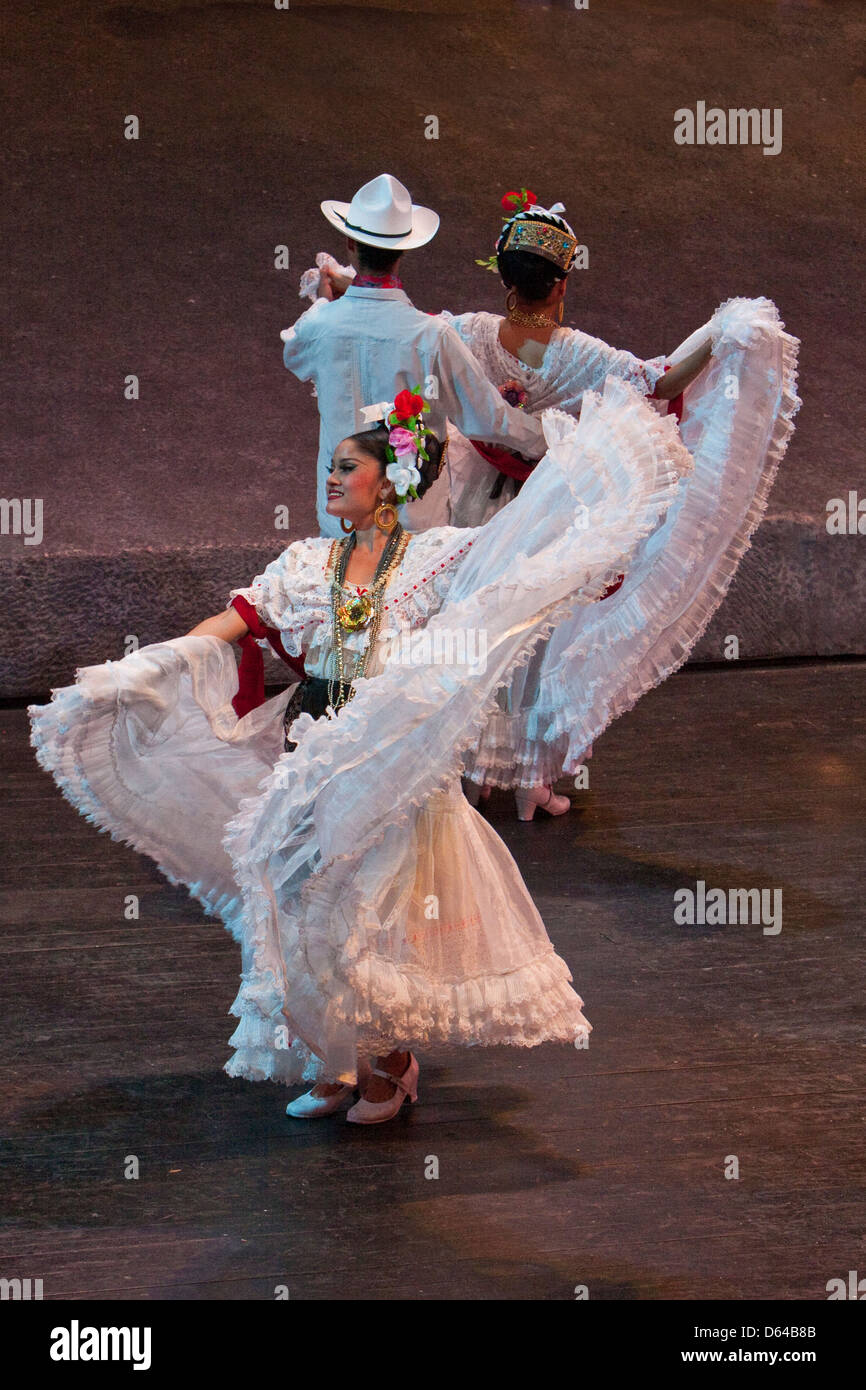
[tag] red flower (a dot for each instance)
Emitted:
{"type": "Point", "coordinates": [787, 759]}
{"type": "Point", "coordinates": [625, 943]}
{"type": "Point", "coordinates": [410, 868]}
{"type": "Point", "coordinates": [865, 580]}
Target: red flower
{"type": "Point", "coordinates": [407, 405]}
{"type": "Point", "coordinates": [519, 202]}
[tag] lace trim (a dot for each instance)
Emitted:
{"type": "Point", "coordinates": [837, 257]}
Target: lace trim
{"type": "Point", "coordinates": [91, 709]}
{"type": "Point", "coordinates": [299, 589]}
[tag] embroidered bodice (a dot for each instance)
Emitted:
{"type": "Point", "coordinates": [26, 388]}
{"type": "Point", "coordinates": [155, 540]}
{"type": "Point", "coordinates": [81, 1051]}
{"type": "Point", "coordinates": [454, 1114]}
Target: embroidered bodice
{"type": "Point", "coordinates": [573, 362]}
{"type": "Point", "coordinates": [293, 594]}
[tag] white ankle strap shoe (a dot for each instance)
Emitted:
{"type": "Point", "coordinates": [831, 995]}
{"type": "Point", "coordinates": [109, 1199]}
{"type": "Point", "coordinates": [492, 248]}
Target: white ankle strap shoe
{"type": "Point", "coordinates": [530, 799]}
{"type": "Point", "coordinates": [310, 1107]}
{"type": "Point", "coordinates": [367, 1112]}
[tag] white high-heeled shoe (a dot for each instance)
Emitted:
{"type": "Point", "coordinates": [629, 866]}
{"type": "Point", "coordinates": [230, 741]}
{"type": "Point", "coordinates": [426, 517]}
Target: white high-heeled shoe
{"type": "Point", "coordinates": [368, 1112]}
{"type": "Point", "coordinates": [310, 1107]}
{"type": "Point", "coordinates": [529, 799]}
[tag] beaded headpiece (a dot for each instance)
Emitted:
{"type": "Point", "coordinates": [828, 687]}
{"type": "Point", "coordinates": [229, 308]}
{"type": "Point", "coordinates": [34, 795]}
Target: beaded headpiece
{"type": "Point", "coordinates": [541, 231]}
{"type": "Point", "coordinates": [542, 238]}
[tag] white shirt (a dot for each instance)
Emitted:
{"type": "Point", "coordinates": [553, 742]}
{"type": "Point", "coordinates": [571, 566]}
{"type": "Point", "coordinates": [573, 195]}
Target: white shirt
{"type": "Point", "coordinates": [368, 345]}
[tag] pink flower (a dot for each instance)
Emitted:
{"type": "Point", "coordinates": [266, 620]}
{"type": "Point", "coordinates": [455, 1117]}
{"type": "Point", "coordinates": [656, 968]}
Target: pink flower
{"type": "Point", "coordinates": [402, 441]}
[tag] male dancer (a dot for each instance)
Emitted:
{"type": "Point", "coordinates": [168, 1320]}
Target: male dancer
{"type": "Point", "coordinates": [364, 347]}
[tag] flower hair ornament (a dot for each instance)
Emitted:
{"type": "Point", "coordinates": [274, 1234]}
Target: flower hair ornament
{"type": "Point", "coordinates": [405, 441]}
{"type": "Point", "coordinates": [530, 227]}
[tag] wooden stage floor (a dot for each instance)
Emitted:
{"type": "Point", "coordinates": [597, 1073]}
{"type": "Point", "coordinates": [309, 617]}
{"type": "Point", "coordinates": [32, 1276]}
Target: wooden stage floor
{"type": "Point", "coordinates": [557, 1167]}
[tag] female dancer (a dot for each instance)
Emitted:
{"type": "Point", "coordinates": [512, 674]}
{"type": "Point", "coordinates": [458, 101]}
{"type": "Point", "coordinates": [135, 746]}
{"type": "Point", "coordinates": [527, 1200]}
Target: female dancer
{"type": "Point", "coordinates": [732, 386]}
{"type": "Point", "coordinates": [376, 911]}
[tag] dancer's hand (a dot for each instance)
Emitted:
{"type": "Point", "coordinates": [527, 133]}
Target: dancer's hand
{"type": "Point", "coordinates": [332, 284]}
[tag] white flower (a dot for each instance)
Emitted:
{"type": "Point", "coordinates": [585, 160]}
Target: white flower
{"type": "Point", "coordinates": [401, 477]}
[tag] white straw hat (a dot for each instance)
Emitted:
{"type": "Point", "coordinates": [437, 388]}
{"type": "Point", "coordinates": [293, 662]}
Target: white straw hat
{"type": "Point", "coordinates": [382, 214]}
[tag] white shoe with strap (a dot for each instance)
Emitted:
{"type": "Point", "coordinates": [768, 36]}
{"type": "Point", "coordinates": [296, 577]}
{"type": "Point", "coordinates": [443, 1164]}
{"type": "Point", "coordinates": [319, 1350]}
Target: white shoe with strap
{"type": "Point", "coordinates": [313, 1107]}
{"type": "Point", "coordinates": [530, 799]}
{"type": "Point", "coordinates": [368, 1112]}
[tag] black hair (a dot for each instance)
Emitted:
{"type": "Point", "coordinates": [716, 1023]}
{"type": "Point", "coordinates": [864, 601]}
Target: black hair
{"type": "Point", "coordinates": [375, 443]}
{"type": "Point", "coordinates": [531, 275]}
{"type": "Point", "coordinates": [377, 259]}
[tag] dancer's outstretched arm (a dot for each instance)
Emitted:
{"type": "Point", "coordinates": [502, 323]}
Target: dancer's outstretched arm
{"type": "Point", "coordinates": [229, 625]}
{"type": "Point", "coordinates": [332, 285]}
{"type": "Point", "coordinates": [682, 374]}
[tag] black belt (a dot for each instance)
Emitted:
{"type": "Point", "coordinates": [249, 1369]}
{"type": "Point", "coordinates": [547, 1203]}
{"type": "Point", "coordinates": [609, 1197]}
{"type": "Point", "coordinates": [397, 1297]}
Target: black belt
{"type": "Point", "coordinates": [310, 696]}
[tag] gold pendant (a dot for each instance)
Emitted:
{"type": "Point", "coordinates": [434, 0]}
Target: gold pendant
{"type": "Point", "coordinates": [355, 613]}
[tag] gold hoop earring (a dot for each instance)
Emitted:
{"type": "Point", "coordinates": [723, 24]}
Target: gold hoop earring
{"type": "Point", "coordinates": [560, 310]}
{"type": "Point", "coordinates": [347, 530]}
{"type": "Point", "coordinates": [377, 516]}
{"type": "Point", "coordinates": [511, 301]}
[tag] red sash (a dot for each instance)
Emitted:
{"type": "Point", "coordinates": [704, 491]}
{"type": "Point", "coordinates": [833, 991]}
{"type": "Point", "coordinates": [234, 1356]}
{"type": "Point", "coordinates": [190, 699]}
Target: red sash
{"type": "Point", "coordinates": [512, 465]}
{"type": "Point", "coordinates": [251, 673]}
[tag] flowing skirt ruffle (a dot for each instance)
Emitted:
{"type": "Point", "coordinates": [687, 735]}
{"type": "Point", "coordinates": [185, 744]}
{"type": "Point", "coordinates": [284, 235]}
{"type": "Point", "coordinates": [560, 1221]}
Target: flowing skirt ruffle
{"type": "Point", "coordinates": [737, 420]}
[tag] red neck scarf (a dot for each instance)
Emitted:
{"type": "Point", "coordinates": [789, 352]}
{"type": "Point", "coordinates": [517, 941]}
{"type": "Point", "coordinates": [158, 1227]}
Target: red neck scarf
{"type": "Point", "coordinates": [370, 281]}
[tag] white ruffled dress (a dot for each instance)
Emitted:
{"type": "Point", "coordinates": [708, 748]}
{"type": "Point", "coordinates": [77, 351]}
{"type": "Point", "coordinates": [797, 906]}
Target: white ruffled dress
{"type": "Point", "coordinates": [373, 906]}
{"type": "Point", "coordinates": [573, 362]}
{"type": "Point", "coordinates": [736, 421]}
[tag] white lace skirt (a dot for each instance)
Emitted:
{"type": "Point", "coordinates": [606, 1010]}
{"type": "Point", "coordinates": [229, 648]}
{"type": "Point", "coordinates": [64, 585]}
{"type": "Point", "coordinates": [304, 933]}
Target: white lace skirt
{"type": "Point", "coordinates": [429, 937]}
{"type": "Point", "coordinates": [435, 918]}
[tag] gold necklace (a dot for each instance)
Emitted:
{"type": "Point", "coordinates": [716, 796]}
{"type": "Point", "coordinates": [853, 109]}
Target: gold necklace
{"type": "Point", "coordinates": [530, 320]}
{"type": "Point", "coordinates": [355, 614]}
